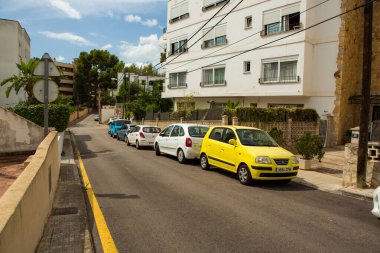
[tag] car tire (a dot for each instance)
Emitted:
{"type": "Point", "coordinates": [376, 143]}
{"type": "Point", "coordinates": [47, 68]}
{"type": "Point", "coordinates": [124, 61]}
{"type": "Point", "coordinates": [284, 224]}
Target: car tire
{"type": "Point", "coordinates": [117, 137]}
{"type": "Point", "coordinates": [157, 149]}
{"type": "Point", "coordinates": [204, 162]}
{"type": "Point", "coordinates": [127, 141]}
{"type": "Point", "coordinates": [244, 175]}
{"type": "Point", "coordinates": [137, 145]}
{"type": "Point", "coordinates": [181, 156]}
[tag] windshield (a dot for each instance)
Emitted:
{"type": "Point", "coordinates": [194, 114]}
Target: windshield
{"type": "Point", "coordinates": [153, 130]}
{"type": "Point", "coordinates": [122, 122]}
{"type": "Point", "coordinates": [252, 137]}
{"type": "Point", "coordinates": [198, 131]}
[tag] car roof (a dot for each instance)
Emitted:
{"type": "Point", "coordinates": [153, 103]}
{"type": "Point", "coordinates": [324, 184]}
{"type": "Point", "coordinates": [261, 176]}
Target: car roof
{"type": "Point", "coordinates": [188, 124]}
{"type": "Point", "coordinates": [239, 127]}
{"type": "Point", "coordinates": [148, 126]}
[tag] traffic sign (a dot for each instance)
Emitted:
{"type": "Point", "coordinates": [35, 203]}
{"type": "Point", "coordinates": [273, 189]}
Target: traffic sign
{"type": "Point", "coordinates": [40, 69]}
{"type": "Point", "coordinates": [38, 91]}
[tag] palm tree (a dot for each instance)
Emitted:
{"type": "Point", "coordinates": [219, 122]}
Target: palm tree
{"type": "Point", "coordinates": [232, 105]}
{"type": "Point", "coordinates": [25, 80]}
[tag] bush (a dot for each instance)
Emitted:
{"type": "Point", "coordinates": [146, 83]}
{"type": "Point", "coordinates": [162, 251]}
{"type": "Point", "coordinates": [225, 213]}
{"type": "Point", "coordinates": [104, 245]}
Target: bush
{"type": "Point", "coordinates": [310, 146]}
{"type": "Point", "coordinates": [278, 136]}
{"type": "Point", "coordinates": [277, 114]}
{"type": "Point", "coordinates": [58, 115]}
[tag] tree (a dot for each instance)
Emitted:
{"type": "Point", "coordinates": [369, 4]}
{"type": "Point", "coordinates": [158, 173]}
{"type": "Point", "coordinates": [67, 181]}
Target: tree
{"type": "Point", "coordinates": [95, 70]}
{"type": "Point", "coordinates": [25, 80]}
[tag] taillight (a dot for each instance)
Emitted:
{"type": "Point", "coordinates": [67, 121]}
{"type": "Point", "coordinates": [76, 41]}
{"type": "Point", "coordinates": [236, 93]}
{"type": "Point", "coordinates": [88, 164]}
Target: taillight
{"type": "Point", "coordinates": [189, 142]}
{"type": "Point", "coordinates": [142, 135]}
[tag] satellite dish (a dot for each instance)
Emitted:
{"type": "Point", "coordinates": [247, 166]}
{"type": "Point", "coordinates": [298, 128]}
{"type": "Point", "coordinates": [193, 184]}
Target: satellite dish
{"type": "Point", "coordinates": [39, 87]}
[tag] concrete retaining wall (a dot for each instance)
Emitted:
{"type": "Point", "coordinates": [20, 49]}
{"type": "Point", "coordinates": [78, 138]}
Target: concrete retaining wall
{"type": "Point", "coordinates": [18, 134]}
{"type": "Point", "coordinates": [107, 113]}
{"type": "Point", "coordinates": [77, 115]}
{"type": "Point", "coordinates": [26, 205]}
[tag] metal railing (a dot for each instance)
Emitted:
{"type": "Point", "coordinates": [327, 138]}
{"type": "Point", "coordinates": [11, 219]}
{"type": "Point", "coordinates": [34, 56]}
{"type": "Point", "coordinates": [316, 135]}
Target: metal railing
{"type": "Point", "coordinates": [281, 79]}
{"type": "Point", "coordinates": [208, 84]}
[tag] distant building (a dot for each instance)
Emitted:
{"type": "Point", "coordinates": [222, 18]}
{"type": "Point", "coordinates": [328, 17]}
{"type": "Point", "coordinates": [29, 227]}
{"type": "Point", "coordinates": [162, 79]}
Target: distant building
{"type": "Point", "coordinates": [141, 80]}
{"type": "Point", "coordinates": [15, 46]}
{"type": "Point", "coordinates": [66, 85]}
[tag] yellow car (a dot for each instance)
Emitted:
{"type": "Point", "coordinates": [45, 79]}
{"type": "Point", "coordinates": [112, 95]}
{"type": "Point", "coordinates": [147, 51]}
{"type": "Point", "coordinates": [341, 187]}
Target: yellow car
{"type": "Point", "coordinates": [249, 152]}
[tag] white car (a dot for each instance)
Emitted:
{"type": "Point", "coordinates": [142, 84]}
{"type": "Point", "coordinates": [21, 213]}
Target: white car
{"type": "Point", "coordinates": [376, 203]}
{"type": "Point", "coordinates": [181, 140]}
{"type": "Point", "coordinates": [142, 135]}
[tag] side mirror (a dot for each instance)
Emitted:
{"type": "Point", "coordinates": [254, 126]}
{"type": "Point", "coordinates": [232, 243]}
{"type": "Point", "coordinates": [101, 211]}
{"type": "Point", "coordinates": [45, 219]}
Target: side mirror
{"type": "Point", "coordinates": [232, 142]}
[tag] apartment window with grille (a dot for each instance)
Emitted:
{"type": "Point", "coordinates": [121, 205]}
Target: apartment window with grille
{"type": "Point", "coordinates": [281, 20]}
{"type": "Point", "coordinates": [178, 47]}
{"type": "Point", "coordinates": [177, 80]}
{"type": "Point", "coordinates": [179, 11]}
{"type": "Point", "coordinates": [215, 37]}
{"type": "Point", "coordinates": [213, 76]}
{"type": "Point", "coordinates": [279, 71]}
{"type": "Point", "coordinates": [247, 67]}
{"type": "Point", "coordinates": [210, 4]}
{"type": "Point", "coordinates": [248, 22]}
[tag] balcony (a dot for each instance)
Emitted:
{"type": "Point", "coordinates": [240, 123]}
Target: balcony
{"type": "Point", "coordinates": [281, 80]}
{"type": "Point", "coordinates": [208, 84]}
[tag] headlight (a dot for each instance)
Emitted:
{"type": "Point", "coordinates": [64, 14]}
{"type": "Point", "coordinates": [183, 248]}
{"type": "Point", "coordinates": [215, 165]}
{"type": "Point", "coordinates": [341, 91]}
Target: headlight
{"type": "Point", "coordinates": [263, 160]}
{"type": "Point", "coordinates": [294, 160]}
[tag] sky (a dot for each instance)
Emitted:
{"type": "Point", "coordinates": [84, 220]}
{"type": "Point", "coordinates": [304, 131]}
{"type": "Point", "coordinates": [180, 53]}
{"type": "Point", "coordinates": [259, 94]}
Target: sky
{"type": "Point", "coordinates": [130, 29]}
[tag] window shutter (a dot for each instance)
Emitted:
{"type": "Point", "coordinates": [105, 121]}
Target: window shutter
{"type": "Point", "coordinates": [272, 17]}
{"type": "Point", "coordinates": [179, 10]}
{"type": "Point", "coordinates": [207, 3]}
{"type": "Point", "coordinates": [290, 10]}
{"type": "Point", "coordinates": [208, 36]}
{"type": "Point", "coordinates": [220, 31]}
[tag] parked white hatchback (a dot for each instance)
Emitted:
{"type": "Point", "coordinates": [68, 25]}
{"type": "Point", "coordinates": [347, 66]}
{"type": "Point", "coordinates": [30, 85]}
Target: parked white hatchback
{"type": "Point", "coordinates": [376, 203]}
{"type": "Point", "coordinates": [181, 140]}
{"type": "Point", "coordinates": [142, 135]}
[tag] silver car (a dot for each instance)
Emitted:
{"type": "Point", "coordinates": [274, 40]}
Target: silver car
{"type": "Point", "coordinates": [376, 203]}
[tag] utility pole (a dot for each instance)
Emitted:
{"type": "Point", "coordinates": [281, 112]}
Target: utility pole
{"type": "Point", "coordinates": [366, 92]}
{"type": "Point", "coordinates": [125, 94]}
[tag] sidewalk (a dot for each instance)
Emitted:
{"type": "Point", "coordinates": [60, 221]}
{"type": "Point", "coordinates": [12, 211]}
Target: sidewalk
{"type": "Point", "coordinates": [66, 229]}
{"type": "Point", "coordinates": [327, 176]}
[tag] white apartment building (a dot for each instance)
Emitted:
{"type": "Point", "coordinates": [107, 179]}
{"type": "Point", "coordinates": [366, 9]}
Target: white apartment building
{"type": "Point", "coordinates": [15, 46]}
{"type": "Point", "coordinates": [296, 71]}
{"type": "Point", "coordinates": [144, 81]}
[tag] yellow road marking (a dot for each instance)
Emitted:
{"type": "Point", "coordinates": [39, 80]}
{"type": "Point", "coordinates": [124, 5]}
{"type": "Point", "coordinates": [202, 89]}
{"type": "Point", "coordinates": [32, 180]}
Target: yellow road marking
{"type": "Point", "coordinates": [106, 240]}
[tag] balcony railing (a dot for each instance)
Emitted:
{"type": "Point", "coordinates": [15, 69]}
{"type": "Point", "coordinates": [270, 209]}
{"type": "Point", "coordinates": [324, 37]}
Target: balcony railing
{"type": "Point", "coordinates": [179, 86]}
{"type": "Point", "coordinates": [208, 84]}
{"type": "Point", "coordinates": [282, 79]}
{"type": "Point", "coordinates": [280, 29]}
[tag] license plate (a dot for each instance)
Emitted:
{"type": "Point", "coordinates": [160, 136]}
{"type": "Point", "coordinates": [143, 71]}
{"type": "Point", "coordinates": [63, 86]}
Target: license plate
{"type": "Point", "coordinates": [283, 169]}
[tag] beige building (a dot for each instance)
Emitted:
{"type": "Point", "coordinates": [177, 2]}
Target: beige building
{"type": "Point", "coordinates": [66, 85]}
{"type": "Point", "coordinates": [349, 73]}
{"type": "Point", "coordinates": [15, 46]}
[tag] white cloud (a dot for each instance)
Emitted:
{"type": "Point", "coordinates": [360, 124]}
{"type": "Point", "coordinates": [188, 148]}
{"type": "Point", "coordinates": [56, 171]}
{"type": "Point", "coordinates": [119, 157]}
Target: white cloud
{"type": "Point", "coordinates": [146, 51]}
{"type": "Point", "coordinates": [70, 37]}
{"type": "Point", "coordinates": [106, 47]}
{"type": "Point", "coordinates": [137, 19]}
{"type": "Point", "coordinates": [60, 58]}
{"type": "Point", "coordinates": [66, 8]}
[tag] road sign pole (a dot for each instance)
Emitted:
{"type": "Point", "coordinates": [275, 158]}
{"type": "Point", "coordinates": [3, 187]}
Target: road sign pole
{"type": "Point", "coordinates": [46, 97]}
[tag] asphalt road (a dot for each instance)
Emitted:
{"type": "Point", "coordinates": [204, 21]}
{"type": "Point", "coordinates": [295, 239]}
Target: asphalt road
{"type": "Point", "coordinates": [155, 204]}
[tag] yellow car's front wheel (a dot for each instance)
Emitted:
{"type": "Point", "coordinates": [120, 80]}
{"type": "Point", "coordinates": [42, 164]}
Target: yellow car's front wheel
{"type": "Point", "coordinates": [244, 175]}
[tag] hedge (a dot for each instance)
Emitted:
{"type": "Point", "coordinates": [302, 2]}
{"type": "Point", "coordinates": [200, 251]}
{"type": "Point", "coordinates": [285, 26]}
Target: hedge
{"type": "Point", "coordinates": [277, 114]}
{"type": "Point", "coordinates": [58, 115]}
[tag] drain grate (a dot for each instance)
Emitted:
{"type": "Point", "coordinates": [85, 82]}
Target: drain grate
{"type": "Point", "coordinates": [64, 211]}
{"type": "Point", "coordinates": [67, 173]}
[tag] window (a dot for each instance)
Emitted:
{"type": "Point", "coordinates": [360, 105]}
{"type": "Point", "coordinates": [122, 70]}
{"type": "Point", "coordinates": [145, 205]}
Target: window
{"type": "Point", "coordinates": [198, 131]}
{"type": "Point", "coordinates": [253, 105]}
{"type": "Point", "coordinates": [179, 11]}
{"type": "Point", "coordinates": [177, 80]}
{"type": "Point", "coordinates": [247, 66]}
{"type": "Point", "coordinates": [167, 131]}
{"type": "Point", "coordinates": [228, 135]}
{"type": "Point", "coordinates": [175, 132]}
{"type": "Point", "coordinates": [248, 22]}
{"type": "Point", "coordinates": [178, 47]}
{"type": "Point", "coordinates": [215, 37]}
{"type": "Point", "coordinates": [214, 76]}
{"type": "Point", "coordinates": [216, 134]}
{"type": "Point", "coordinates": [279, 70]}
{"type": "Point", "coordinates": [209, 4]}
{"type": "Point", "coordinates": [281, 20]}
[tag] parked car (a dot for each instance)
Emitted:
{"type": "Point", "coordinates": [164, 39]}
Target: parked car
{"type": "Point", "coordinates": [142, 135]}
{"type": "Point", "coordinates": [116, 125]}
{"type": "Point", "coordinates": [376, 203]}
{"type": "Point", "coordinates": [96, 117]}
{"type": "Point", "coordinates": [123, 132]}
{"type": "Point", "coordinates": [181, 140]}
{"type": "Point", "coordinates": [249, 152]}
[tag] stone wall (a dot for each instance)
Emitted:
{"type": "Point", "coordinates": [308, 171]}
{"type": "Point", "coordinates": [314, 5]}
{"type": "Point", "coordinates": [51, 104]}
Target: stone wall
{"type": "Point", "coordinates": [349, 65]}
{"type": "Point", "coordinates": [18, 134]}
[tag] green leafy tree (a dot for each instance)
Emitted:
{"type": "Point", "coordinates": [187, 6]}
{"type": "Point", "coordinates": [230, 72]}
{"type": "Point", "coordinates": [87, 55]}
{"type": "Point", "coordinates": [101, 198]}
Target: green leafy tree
{"type": "Point", "coordinates": [25, 80]}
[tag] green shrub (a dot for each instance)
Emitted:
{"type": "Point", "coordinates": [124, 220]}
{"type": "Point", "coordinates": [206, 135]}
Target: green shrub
{"type": "Point", "coordinates": [277, 114]}
{"type": "Point", "coordinates": [310, 146]}
{"type": "Point", "coordinates": [278, 136]}
{"type": "Point", "coordinates": [58, 115]}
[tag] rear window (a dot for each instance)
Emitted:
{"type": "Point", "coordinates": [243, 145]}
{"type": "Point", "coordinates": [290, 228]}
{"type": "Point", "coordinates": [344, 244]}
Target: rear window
{"type": "Point", "coordinates": [153, 130]}
{"type": "Point", "coordinates": [198, 131]}
{"type": "Point", "coordinates": [122, 122]}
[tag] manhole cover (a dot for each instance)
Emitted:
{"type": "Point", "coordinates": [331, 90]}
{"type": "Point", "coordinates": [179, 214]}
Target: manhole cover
{"type": "Point", "coordinates": [64, 211]}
